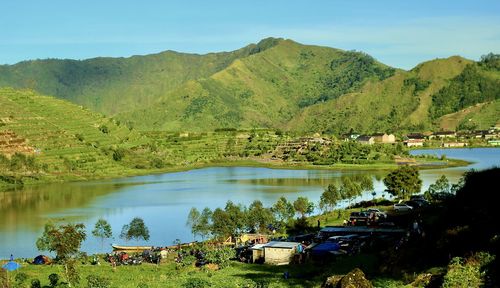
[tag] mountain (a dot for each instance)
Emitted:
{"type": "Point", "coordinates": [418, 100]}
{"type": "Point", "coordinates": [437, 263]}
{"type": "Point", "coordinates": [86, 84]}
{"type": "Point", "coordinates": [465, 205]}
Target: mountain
{"type": "Point", "coordinates": [276, 83]}
{"type": "Point", "coordinates": [262, 90]}
{"type": "Point", "coordinates": [112, 85]}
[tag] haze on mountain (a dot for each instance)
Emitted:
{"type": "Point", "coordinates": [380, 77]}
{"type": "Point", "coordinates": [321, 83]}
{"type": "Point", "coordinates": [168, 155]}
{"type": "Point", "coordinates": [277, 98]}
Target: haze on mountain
{"type": "Point", "coordinates": [276, 83]}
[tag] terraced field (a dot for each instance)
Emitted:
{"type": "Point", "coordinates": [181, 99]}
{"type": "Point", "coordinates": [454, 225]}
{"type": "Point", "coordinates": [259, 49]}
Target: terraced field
{"type": "Point", "coordinates": [68, 140]}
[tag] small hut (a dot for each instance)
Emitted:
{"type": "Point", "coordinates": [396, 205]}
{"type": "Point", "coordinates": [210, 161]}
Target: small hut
{"type": "Point", "coordinates": [279, 253]}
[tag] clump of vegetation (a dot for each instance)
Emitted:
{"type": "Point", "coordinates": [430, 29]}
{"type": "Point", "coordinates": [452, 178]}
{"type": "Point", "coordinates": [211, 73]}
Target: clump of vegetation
{"type": "Point", "coordinates": [220, 256]}
{"type": "Point", "coordinates": [94, 281]}
{"type": "Point", "coordinates": [196, 283]}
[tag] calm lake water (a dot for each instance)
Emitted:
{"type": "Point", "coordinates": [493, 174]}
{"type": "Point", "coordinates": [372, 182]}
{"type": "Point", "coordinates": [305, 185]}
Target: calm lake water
{"type": "Point", "coordinates": [164, 200]}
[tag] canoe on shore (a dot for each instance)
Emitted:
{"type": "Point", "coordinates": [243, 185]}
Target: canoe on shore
{"type": "Point", "coordinates": [131, 248]}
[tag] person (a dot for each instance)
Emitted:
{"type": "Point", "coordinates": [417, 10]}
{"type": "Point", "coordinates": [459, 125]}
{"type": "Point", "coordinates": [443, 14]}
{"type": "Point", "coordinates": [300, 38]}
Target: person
{"type": "Point", "coordinates": [416, 230]}
{"type": "Point", "coordinates": [345, 222]}
{"type": "Point", "coordinates": [11, 257]}
{"type": "Point", "coordinates": [318, 223]}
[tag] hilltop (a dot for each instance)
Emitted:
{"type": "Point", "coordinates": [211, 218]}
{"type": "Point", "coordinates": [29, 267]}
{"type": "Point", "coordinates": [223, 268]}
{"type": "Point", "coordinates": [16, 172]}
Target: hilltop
{"type": "Point", "coordinates": [276, 84]}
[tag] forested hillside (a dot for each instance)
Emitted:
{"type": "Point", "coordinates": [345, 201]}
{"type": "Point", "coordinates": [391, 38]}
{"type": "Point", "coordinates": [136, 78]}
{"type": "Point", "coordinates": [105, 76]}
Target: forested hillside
{"type": "Point", "coordinates": [277, 84]}
{"type": "Point", "coordinates": [112, 85]}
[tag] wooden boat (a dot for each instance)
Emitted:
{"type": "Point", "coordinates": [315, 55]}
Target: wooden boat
{"type": "Point", "coordinates": [131, 248]}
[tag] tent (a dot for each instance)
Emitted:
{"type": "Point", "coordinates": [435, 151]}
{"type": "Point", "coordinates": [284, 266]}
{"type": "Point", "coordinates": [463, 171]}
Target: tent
{"type": "Point", "coordinates": [11, 266]}
{"type": "Point", "coordinates": [41, 259]}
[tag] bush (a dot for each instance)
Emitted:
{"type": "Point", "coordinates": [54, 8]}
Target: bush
{"type": "Point", "coordinates": [462, 275]}
{"type": "Point", "coordinates": [20, 278]}
{"type": "Point", "coordinates": [35, 283]}
{"type": "Point", "coordinates": [94, 281]}
{"type": "Point", "coordinates": [53, 279]}
{"type": "Point", "coordinates": [118, 154]}
{"type": "Point", "coordinates": [196, 283]}
{"type": "Point", "coordinates": [220, 256]}
{"type": "Point", "coordinates": [104, 129]}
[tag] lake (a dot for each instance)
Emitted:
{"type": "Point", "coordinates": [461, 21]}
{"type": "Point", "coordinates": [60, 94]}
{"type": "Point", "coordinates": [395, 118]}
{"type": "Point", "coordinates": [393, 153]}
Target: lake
{"type": "Point", "coordinates": [164, 200]}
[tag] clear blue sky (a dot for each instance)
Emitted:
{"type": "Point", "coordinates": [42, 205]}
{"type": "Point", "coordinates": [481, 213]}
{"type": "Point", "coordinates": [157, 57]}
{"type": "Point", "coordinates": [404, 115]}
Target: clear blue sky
{"type": "Point", "coordinates": [400, 33]}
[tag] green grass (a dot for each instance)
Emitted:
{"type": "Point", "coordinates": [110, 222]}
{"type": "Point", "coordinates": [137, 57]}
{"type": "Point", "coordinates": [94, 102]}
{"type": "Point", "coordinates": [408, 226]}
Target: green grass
{"type": "Point", "coordinates": [236, 275]}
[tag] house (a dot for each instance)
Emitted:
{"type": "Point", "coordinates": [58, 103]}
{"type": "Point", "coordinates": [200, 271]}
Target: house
{"type": "Point", "coordinates": [444, 134]}
{"type": "Point", "coordinates": [350, 136]}
{"type": "Point", "coordinates": [257, 253]}
{"type": "Point", "coordinates": [366, 139]}
{"type": "Point", "coordinates": [454, 144]}
{"type": "Point", "coordinates": [279, 253]}
{"type": "Point", "coordinates": [384, 138]}
{"type": "Point", "coordinates": [414, 142]}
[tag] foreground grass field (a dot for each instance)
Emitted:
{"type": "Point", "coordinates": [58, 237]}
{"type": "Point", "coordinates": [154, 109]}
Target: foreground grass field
{"type": "Point", "coordinates": [237, 274]}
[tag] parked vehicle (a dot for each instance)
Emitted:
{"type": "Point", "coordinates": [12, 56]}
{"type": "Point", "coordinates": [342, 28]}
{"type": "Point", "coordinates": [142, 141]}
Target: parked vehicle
{"type": "Point", "coordinates": [378, 212]}
{"type": "Point", "coordinates": [402, 207]}
{"type": "Point", "coordinates": [418, 203]}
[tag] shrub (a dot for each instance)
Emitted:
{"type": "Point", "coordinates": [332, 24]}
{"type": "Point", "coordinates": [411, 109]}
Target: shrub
{"type": "Point", "coordinates": [94, 281]}
{"type": "Point", "coordinates": [462, 275]}
{"type": "Point", "coordinates": [104, 129]}
{"type": "Point", "coordinates": [20, 278]}
{"type": "Point", "coordinates": [220, 256]}
{"type": "Point", "coordinates": [53, 279]}
{"type": "Point", "coordinates": [196, 283]}
{"type": "Point", "coordinates": [35, 283]}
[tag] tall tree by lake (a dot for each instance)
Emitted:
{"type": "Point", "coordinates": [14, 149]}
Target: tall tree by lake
{"type": "Point", "coordinates": [403, 182]}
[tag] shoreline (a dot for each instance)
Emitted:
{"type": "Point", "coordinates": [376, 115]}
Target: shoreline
{"type": "Point", "coordinates": [249, 163]}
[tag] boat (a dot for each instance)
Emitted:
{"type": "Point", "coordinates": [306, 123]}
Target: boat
{"type": "Point", "coordinates": [131, 248]}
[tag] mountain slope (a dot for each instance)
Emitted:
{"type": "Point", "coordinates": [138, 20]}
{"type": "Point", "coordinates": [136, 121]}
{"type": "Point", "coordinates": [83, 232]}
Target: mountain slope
{"type": "Point", "coordinates": [112, 85]}
{"type": "Point", "coordinates": [66, 140]}
{"type": "Point", "coordinates": [262, 90]}
{"type": "Point", "coordinates": [277, 84]}
{"type": "Point", "coordinates": [404, 101]}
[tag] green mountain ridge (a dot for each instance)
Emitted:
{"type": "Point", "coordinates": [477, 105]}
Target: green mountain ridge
{"type": "Point", "coordinates": [276, 83]}
{"type": "Point", "coordinates": [112, 85]}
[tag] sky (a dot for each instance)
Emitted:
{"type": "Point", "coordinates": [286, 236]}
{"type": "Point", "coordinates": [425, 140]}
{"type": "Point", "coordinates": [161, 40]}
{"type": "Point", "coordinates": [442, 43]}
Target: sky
{"type": "Point", "coordinates": [399, 33]}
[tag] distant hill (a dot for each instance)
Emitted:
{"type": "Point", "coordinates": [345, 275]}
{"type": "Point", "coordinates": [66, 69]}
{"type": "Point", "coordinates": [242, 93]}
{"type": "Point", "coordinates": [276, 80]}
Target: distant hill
{"type": "Point", "coordinates": [112, 85]}
{"type": "Point", "coordinates": [277, 84]}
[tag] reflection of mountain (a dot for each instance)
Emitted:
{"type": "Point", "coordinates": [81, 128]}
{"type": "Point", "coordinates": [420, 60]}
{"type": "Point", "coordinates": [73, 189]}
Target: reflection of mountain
{"type": "Point", "coordinates": [28, 206]}
{"type": "Point", "coordinates": [291, 182]}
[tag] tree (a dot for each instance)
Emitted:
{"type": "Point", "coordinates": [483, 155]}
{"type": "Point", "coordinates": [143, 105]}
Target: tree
{"type": "Point", "coordinates": [442, 185]}
{"type": "Point", "coordinates": [403, 182]}
{"type": "Point", "coordinates": [64, 240]}
{"type": "Point", "coordinates": [236, 215]}
{"type": "Point", "coordinates": [124, 233]}
{"type": "Point", "coordinates": [137, 229]}
{"type": "Point", "coordinates": [102, 230]}
{"type": "Point", "coordinates": [303, 206]}
{"type": "Point", "coordinates": [283, 210]}
{"type": "Point", "coordinates": [193, 220]}
{"type": "Point", "coordinates": [329, 198]}
{"type": "Point", "coordinates": [349, 188]}
{"type": "Point", "coordinates": [203, 227]}
{"type": "Point", "coordinates": [219, 227]}
{"type": "Point", "coordinates": [258, 217]}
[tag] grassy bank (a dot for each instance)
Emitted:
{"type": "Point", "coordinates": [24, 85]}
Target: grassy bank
{"type": "Point", "coordinates": [238, 274]}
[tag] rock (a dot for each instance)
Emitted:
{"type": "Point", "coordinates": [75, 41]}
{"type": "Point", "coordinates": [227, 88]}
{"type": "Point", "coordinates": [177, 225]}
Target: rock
{"type": "Point", "coordinates": [354, 279]}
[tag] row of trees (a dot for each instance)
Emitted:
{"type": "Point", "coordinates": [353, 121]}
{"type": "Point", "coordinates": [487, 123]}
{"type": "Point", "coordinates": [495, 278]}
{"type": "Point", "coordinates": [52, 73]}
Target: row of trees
{"type": "Point", "coordinates": [65, 240]}
{"type": "Point", "coordinates": [349, 188]}
{"type": "Point", "coordinates": [236, 219]}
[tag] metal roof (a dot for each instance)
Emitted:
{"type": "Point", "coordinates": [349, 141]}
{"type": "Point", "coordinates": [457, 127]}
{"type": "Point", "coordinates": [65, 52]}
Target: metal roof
{"type": "Point", "coordinates": [279, 244]}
